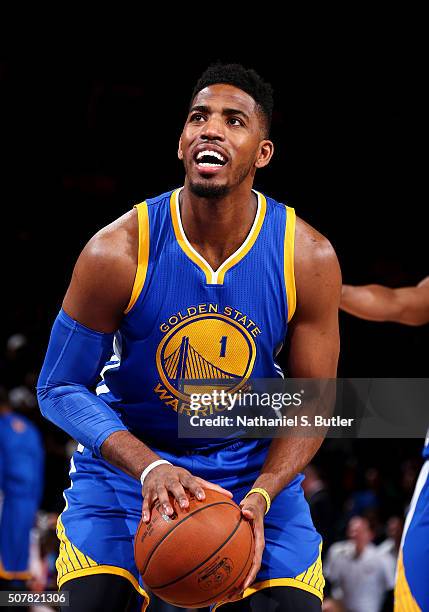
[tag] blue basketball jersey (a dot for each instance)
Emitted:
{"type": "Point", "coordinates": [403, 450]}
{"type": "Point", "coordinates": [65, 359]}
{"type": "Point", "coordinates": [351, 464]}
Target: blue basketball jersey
{"type": "Point", "coordinates": [187, 321]}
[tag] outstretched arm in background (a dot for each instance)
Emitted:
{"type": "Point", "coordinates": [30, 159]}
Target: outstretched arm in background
{"type": "Point", "coordinates": [407, 305]}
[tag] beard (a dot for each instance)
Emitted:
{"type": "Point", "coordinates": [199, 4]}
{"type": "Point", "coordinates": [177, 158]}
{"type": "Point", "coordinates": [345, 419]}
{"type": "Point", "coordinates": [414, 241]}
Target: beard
{"type": "Point", "coordinates": [209, 190]}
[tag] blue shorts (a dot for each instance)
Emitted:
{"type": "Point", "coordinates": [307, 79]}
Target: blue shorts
{"type": "Point", "coordinates": [412, 585]}
{"type": "Point", "coordinates": [96, 530]}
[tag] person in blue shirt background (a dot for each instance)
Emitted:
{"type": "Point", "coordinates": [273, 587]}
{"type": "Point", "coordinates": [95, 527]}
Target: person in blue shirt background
{"type": "Point", "coordinates": [21, 485]}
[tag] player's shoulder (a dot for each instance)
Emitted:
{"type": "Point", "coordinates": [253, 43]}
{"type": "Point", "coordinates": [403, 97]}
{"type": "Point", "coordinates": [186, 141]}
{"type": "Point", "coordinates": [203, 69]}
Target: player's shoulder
{"type": "Point", "coordinates": [316, 264]}
{"type": "Point", "coordinates": [119, 239]}
{"type": "Point", "coordinates": [113, 251]}
{"type": "Point", "coordinates": [309, 242]}
{"type": "Point", "coordinates": [114, 235]}
{"type": "Point", "coordinates": [317, 271]}
{"type": "Point", "coordinates": [114, 245]}
{"type": "Point", "coordinates": [311, 247]}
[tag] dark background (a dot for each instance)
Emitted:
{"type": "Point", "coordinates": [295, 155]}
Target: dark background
{"type": "Point", "coordinates": [86, 137]}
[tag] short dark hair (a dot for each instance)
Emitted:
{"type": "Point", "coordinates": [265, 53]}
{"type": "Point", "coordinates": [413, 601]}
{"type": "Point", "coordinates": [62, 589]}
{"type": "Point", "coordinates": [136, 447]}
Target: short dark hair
{"type": "Point", "coordinates": [243, 78]}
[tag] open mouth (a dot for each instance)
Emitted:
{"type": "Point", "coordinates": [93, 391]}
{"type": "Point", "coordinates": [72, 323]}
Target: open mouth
{"type": "Point", "coordinates": [210, 160]}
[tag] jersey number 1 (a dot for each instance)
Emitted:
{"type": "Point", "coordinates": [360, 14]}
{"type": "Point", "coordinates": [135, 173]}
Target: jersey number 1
{"type": "Point", "coordinates": [223, 346]}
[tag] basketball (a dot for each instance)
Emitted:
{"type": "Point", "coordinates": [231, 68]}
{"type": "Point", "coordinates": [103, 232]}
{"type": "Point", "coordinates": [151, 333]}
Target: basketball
{"type": "Point", "coordinates": [194, 557]}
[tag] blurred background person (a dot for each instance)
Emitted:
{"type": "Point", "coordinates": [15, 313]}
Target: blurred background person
{"type": "Point", "coordinates": [21, 484]}
{"type": "Point", "coordinates": [361, 575]}
{"type": "Point", "coordinates": [392, 543]}
{"type": "Point", "coordinates": [319, 499]}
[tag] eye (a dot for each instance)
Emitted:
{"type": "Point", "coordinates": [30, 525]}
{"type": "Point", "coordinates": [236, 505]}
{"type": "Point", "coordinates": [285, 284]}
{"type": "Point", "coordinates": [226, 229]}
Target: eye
{"type": "Point", "coordinates": [197, 117]}
{"type": "Point", "coordinates": [234, 121]}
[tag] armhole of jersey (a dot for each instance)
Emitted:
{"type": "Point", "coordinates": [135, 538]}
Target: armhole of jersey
{"type": "Point", "coordinates": [143, 254]}
{"type": "Point", "coordinates": [289, 250]}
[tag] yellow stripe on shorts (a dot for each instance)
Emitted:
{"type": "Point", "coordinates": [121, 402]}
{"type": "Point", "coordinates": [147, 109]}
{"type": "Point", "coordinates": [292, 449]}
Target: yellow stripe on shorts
{"type": "Point", "coordinates": [311, 580]}
{"type": "Point", "coordinates": [72, 563]}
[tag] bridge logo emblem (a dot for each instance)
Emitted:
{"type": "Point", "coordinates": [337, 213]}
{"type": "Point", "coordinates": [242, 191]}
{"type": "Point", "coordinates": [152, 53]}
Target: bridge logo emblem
{"type": "Point", "coordinates": [210, 347]}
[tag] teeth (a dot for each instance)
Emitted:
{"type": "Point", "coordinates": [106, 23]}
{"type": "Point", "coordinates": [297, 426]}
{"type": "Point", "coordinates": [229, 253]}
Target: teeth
{"type": "Point", "coordinates": [207, 165]}
{"type": "Point", "coordinates": [212, 154]}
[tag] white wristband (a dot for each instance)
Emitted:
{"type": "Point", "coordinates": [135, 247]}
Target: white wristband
{"type": "Point", "coordinates": [150, 467]}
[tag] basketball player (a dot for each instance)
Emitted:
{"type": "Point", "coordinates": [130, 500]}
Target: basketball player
{"type": "Point", "coordinates": [408, 305]}
{"type": "Point", "coordinates": [208, 274]}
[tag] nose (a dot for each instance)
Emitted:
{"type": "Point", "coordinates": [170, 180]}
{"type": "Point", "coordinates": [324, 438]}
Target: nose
{"type": "Point", "coordinates": [213, 129]}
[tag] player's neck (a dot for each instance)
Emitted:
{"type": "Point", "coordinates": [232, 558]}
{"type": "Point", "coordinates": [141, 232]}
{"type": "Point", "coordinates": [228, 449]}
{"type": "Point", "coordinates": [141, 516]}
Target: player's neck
{"type": "Point", "coordinates": [216, 228]}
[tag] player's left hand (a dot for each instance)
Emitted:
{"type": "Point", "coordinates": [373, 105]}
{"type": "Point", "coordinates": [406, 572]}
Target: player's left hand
{"type": "Point", "coordinates": [253, 508]}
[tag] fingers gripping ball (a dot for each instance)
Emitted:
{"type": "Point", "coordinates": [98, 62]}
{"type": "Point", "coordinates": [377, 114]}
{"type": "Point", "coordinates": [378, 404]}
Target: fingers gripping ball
{"type": "Point", "coordinates": [197, 555]}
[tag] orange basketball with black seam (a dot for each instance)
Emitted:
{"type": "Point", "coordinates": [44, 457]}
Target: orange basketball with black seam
{"type": "Point", "coordinates": [196, 556]}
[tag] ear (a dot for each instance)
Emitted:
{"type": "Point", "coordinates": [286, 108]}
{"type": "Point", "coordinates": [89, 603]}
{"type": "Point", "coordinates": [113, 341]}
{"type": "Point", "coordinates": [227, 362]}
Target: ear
{"type": "Point", "coordinates": [265, 153]}
{"type": "Point", "coordinates": [179, 150]}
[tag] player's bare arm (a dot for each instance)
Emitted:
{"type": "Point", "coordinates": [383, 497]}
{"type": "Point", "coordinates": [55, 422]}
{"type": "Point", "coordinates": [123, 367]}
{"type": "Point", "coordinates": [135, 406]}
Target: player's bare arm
{"type": "Point", "coordinates": [314, 352]}
{"type": "Point", "coordinates": [407, 305]}
{"type": "Point", "coordinates": [97, 297]}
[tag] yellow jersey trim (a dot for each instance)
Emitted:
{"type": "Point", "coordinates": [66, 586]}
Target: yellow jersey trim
{"type": "Point", "coordinates": [248, 243]}
{"type": "Point", "coordinates": [183, 241]}
{"type": "Point", "coordinates": [311, 580]}
{"type": "Point", "coordinates": [404, 599]}
{"type": "Point", "coordinates": [143, 254]}
{"type": "Point", "coordinates": [6, 575]}
{"type": "Point", "coordinates": [216, 277]}
{"type": "Point", "coordinates": [289, 254]}
{"type": "Point", "coordinates": [72, 563]}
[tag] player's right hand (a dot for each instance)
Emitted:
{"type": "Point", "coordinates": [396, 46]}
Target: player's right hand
{"type": "Point", "coordinates": [165, 479]}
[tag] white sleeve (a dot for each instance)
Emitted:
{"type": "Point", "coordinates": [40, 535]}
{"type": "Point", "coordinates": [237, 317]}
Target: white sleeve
{"type": "Point", "coordinates": [332, 564]}
{"type": "Point", "coordinates": [388, 570]}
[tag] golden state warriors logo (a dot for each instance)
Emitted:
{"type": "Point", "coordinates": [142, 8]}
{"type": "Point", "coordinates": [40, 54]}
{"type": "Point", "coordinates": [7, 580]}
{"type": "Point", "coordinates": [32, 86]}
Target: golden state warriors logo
{"type": "Point", "coordinates": [215, 346]}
